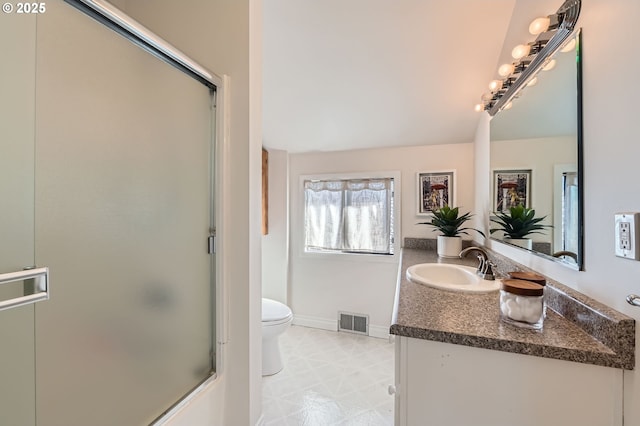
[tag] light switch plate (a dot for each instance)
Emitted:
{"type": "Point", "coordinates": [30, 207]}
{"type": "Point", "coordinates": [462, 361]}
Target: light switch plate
{"type": "Point", "coordinates": [626, 235]}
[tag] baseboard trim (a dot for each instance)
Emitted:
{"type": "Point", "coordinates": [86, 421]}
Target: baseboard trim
{"type": "Point", "coordinates": [315, 322]}
{"type": "Point", "coordinates": [377, 331]}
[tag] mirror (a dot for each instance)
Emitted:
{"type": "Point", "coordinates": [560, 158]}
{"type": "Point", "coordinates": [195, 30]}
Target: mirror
{"type": "Point", "coordinates": [535, 159]}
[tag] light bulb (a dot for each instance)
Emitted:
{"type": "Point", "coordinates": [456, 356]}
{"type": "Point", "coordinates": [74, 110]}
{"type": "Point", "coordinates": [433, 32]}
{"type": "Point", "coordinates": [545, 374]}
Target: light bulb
{"type": "Point", "coordinates": [539, 25]}
{"type": "Point", "coordinates": [479, 107]}
{"type": "Point", "coordinates": [508, 106]}
{"type": "Point", "coordinates": [569, 46]}
{"type": "Point", "coordinates": [486, 97]}
{"type": "Point", "coordinates": [532, 82]}
{"type": "Point", "coordinates": [520, 51]}
{"type": "Point", "coordinates": [495, 85]}
{"type": "Point", "coordinates": [550, 65]}
{"type": "Point", "coordinates": [506, 69]}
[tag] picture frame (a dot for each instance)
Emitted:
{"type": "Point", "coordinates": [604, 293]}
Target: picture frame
{"type": "Point", "coordinates": [511, 187]}
{"type": "Point", "coordinates": [435, 190]}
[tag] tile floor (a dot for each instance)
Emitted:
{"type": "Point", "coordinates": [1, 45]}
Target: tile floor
{"type": "Point", "coordinates": [330, 378]}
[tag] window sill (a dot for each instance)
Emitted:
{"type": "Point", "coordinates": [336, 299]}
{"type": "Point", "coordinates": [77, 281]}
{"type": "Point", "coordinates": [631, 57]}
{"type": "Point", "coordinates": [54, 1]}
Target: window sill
{"type": "Point", "coordinates": [350, 257]}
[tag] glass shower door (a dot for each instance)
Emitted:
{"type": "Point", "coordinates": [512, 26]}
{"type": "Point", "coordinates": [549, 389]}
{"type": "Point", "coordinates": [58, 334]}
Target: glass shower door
{"type": "Point", "coordinates": [17, 109]}
{"type": "Point", "coordinates": [105, 178]}
{"type": "Point", "coordinates": [122, 220]}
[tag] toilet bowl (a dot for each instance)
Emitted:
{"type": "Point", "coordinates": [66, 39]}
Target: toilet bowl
{"type": "Point", "coordinates": [276, 317]}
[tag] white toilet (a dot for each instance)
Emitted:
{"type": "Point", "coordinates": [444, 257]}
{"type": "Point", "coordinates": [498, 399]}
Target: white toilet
{"type": "Point", "coordinates": [276, 317]}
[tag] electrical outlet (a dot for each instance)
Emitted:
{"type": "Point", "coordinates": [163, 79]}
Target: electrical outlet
{"type": "Point", "coordinates": [625, 239]}
{"type": "Point", "coordinates": [626, 235]}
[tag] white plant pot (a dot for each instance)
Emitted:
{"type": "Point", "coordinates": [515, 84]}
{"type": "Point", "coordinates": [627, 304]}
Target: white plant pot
{"type": "Point", "coordinates": [449, 246]}
{"type": "Point", "coordinates": [526, 243]}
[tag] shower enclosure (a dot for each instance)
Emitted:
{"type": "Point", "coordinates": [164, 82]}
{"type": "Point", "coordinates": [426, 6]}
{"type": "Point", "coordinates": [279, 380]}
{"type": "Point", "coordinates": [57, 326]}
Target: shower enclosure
{"type": "Point", "coordinates": [106, 155]}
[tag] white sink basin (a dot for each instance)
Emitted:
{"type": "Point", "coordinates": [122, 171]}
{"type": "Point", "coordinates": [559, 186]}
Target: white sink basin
{"type": "Point", "coordinates": [451, 277]}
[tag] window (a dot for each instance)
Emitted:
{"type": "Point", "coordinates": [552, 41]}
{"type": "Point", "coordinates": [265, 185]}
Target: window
{"type": "Point", "coordinates": [570, 211]}
{"type": "Point", "coordinates": [349, 215]}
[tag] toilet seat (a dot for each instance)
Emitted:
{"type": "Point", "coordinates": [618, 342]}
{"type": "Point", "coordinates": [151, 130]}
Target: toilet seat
{"type": "Point", "coordinates": [275, 313]}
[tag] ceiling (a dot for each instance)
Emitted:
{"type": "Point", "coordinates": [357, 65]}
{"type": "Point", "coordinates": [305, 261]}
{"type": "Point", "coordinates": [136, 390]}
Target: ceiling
{"type": "Point", "coordinates": [353, 74]}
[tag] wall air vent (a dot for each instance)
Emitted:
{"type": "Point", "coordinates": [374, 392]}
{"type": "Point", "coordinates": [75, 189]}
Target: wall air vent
{"type": "Point", "coordinates": [353, 323]}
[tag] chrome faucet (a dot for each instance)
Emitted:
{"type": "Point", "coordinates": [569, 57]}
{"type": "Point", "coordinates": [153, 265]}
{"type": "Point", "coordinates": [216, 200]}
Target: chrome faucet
{"type": "Point", "coordinates": [571, 254]}
{"type": "Point", "coordinates": [485, 267]}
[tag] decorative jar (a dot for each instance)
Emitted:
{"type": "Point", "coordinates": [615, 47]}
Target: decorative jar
{"type": "Point", "coordinates": [522, 303]}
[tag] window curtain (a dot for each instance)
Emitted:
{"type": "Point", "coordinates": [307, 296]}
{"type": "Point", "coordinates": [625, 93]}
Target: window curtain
{"type": "Point", "coordinates": [349, 215]}
{"type": "Point", "coordinates": [324, 203]}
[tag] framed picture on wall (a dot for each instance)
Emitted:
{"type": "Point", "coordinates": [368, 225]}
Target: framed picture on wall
{"type": "Point", "coordinates": [435, 190]}
{"type": "Point", "coordinates": [511, 188]}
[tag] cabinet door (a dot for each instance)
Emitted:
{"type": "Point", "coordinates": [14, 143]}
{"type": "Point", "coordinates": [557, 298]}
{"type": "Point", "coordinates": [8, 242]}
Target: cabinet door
{"type": "Point", "coordinates": [454, 385]}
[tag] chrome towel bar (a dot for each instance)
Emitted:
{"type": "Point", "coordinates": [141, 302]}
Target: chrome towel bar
{"type": "Point", "coordinates": [633, 299]}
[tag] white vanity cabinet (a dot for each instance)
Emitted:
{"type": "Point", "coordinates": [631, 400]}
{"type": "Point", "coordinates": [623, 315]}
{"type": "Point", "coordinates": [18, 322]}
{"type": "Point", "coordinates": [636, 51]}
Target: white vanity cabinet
{"type": "Point", "coordinates": [443, 384]}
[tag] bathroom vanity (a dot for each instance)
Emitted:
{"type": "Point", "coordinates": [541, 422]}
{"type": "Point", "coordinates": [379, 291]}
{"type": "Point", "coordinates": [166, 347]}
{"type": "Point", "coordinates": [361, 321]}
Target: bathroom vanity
{"type": "Point", "coordinates": [458, 364]}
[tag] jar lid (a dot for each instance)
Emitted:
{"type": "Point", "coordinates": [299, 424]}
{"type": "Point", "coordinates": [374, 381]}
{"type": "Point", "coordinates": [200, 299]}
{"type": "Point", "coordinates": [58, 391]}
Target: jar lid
{"type": "Point", "coordinates": [522, 287]}
{"type": "Point", "coordinates": [528, 276]}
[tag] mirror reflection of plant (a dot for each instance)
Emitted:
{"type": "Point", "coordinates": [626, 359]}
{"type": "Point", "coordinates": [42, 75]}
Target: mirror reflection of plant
{"type": "Point", "coordinates": [519, 223]}
{"type": "Point", "coordinates": [447, 221]}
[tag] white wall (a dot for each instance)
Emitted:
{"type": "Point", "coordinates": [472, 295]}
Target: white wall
{"type": "Point", "coordinates": [611, 172]}
{"type": "Point", "coordinates": [321, 285]}
{"type": "Point", "coordinates": [275, 245]}
{"type": "Point", "coordinates": [225, 36]}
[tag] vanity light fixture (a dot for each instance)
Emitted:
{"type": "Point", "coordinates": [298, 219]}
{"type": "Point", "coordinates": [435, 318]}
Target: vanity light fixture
{"type": "Point", "coordinates": [569, 46]}
{"type": "Point", "coordinates": [506, 69]}
{"type": "Point", "coordinates": [546, 23]}
{"type": "Point", "coordinates": [539, 25]}
{"type": "Point", "coordinates": [553, 31]}
{"type": "Point", "coordinates": [533, 48]}
{"type": "Point", "coordinates": [549, 65]}
{"type": "Point", "coordinates": [496, 85]}
{"type": "Point", "coordinates": [520, 51]}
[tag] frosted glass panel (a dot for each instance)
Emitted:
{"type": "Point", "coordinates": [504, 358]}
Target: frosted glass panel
{"type": "Point", "coordinates": [17, 112]}
{"type": "Point", "coordinates": [122, 219]}
{"type": "Point", "coordinates": [17, 109]}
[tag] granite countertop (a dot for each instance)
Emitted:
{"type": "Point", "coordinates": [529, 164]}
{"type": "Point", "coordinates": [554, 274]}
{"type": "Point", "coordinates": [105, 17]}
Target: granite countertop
{"type": "Point", "coordinates": [428, 313]}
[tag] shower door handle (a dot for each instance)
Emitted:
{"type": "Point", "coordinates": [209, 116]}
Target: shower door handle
{"type": "Point", "coordinates": [40, 277]}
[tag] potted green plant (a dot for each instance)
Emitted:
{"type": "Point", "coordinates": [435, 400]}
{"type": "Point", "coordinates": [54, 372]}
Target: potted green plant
{"type": "Point", "coordinates": [448, 221]}
{"type": "Point", "coordinates": [518, 224]}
